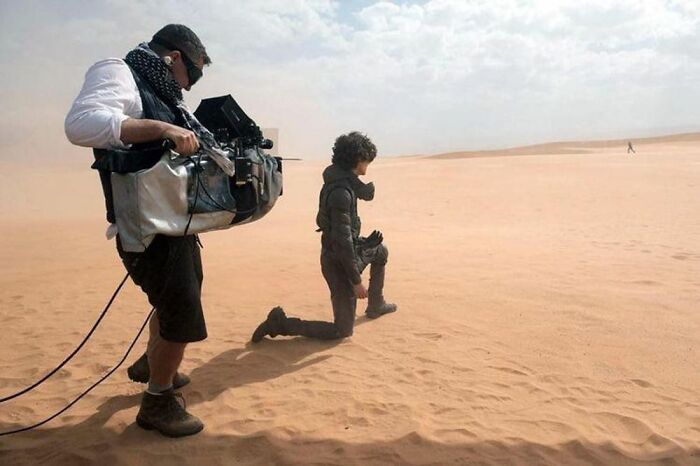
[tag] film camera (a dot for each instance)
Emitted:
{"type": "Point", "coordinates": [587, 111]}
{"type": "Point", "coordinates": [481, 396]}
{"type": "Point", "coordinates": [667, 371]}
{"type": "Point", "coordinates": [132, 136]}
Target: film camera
{"type": "Point", "coordinates": [258, 176]}
{"type": "Point", "coordinates": [234, 131]}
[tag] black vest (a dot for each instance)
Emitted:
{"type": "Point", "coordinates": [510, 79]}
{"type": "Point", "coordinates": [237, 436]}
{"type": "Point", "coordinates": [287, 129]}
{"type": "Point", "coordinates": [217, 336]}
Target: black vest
{"type": "Point", "coordinates": [139, 156]}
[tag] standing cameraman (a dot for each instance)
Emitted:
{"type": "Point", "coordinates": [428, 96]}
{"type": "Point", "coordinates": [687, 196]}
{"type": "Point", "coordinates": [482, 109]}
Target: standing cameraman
{"type": "Point", "coordinates": [132, 104]}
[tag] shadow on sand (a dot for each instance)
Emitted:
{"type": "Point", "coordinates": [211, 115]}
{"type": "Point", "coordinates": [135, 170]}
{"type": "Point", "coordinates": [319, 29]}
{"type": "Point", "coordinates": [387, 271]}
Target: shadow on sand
{"type": "Point", "coordinates": [89, 442]}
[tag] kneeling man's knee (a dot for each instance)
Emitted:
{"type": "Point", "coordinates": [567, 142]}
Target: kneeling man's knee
{"type": "Point", "coordinates": [382, 254]}
{"type": "Point", "coordinates": [344, 328]}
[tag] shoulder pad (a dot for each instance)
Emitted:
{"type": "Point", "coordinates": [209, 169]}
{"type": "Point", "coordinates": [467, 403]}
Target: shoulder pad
{"type": "Point", "coordinates": [340, 198]}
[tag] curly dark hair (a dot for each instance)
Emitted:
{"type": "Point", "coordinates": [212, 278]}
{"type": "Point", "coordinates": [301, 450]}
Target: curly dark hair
{"type": "Point", "coordinates": [352, 148]}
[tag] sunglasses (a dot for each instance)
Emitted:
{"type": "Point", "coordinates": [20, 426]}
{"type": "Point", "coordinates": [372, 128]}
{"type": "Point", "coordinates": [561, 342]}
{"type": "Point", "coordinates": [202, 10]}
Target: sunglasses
{"type": "Point", "coordinates": [193, 71]}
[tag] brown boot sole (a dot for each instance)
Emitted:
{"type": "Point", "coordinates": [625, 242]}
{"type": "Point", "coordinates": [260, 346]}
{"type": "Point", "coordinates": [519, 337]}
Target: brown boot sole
{"type": "Point", "coordinates": [148, 426]}
{"type": "Point", "coordinates": [375, 314]}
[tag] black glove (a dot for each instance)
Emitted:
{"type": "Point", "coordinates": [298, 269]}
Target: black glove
{"type": "Point", "coordinates": [374, 240]}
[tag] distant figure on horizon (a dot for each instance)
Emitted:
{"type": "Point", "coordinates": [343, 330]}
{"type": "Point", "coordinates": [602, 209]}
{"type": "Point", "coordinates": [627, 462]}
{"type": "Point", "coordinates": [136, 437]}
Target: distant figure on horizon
{"type": "Point", "coordinates": [630, 148]}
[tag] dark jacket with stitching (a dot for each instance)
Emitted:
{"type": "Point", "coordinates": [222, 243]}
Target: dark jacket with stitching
{"type": "Point", "coordinates": [337, 217]}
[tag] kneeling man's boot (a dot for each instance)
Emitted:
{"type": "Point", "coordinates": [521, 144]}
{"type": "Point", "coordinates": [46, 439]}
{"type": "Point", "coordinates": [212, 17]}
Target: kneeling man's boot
{"type": "Point", "coordinates": [164, 413]}
{"type": "Point", "coordinates": [274, 325]}
{"type": "Point", "coordinates": [376, 306]}
{"type": "Point", "coordinates": [374, 311]}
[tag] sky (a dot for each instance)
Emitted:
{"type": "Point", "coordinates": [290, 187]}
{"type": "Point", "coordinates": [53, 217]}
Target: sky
{"type": "Point", "coordinates": [418, 77]}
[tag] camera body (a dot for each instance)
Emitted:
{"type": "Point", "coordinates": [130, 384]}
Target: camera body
{"type": "Point", "coordinates": [234, 131]}
{"type": "Point", "coordinates": [257, 179]}
{"type": "Point", "coordinates": [174, 196]}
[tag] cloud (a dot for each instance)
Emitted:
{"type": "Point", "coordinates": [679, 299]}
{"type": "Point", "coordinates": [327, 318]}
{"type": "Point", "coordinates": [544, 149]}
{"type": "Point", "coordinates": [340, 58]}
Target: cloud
{"type": "Point", "coordinates": [416, 76]}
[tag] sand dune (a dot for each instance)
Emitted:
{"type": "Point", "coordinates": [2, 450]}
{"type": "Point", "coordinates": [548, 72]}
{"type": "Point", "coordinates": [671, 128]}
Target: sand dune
{"type": "Point", "coordinates": [548, 315]}
{"type": "Point", "coordinates": [576, 147]}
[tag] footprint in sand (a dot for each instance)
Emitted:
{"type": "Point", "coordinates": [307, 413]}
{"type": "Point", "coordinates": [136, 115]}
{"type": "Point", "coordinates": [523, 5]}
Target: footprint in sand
{"type": "Point", "coordinates": [686, 256]}
{"type": "Point", "coordinates": [641, 383]}
{"type": "Point", "coordinates": [646, 282]}
{"type": "Point", "coordinates": [508, 370]}
{"type": "Point", "coordinates": [428, 336]}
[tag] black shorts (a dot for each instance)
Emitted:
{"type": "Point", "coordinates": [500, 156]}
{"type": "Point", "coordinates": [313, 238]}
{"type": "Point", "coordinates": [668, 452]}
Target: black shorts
{"type": "Point", "coordinates": [170, 273]}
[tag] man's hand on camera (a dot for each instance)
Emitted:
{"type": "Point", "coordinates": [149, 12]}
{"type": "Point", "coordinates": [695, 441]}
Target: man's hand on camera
{"type": "Point", "coordinates": [360, 291]}
{"type": "Point", "coordinates": [186, 142]}
{"type": "Point", "coordinates": [138, 130]}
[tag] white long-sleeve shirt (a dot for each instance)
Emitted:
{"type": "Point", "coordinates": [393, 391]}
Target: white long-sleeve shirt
{"type": "Point", "coordinates": [108, 97]}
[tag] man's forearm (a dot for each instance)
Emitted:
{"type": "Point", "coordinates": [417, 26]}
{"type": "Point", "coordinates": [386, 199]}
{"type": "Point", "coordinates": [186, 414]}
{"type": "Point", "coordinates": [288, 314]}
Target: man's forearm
{"type": "Point", "coordinates": [135, 130]}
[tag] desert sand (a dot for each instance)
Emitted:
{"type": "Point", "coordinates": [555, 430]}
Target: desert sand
{"type": "Point", "coordinates": [548, 314]}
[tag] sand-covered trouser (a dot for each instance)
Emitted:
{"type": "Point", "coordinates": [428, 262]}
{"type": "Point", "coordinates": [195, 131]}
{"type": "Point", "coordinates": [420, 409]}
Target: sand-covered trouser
{"type": "Point", "coordinates": [343, 297]}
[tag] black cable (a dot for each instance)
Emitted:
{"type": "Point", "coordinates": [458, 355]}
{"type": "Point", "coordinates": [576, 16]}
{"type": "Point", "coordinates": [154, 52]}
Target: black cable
{"type": "Point", "coordinates": [126, 355]}
{"type": "Point", "coordinates": [196, 195]}
{"type": "Point", "coordinates": [87, 337]}
{"type": "Point", "coordinates": [23, 429]}
{"type": "Point", "coordinates": [197, 172]}
{"type": "Point", "coordinates": [214, 202]}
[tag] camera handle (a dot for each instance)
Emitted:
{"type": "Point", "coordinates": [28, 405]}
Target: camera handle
{"type": "Point", "coordinates": [168, 144]}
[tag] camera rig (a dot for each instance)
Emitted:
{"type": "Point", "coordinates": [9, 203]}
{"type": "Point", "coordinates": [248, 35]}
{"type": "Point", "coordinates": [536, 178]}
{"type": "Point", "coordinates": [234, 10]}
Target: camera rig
{"type": "Point", "coordinates": [235, 131]}
{"type": "Point", "coordinates": [160, 192]}
{"type": "Point", "coordinates": [255, 174]}
{"type": "Point", "coordinates": [227, 121]}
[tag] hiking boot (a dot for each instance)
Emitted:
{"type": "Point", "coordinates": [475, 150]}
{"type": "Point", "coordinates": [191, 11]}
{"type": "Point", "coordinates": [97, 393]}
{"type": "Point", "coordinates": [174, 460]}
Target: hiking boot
{"type": "Point", "coordinates": [272, 326]}
{"type": "Point", "coordinates": [376, 306]}
{"type": "Point", "coordinates": [373, 312]}
{"type": "Point", "coordinates": [141, 372]}
{"type": "Point", "coordinates": [165, 414]}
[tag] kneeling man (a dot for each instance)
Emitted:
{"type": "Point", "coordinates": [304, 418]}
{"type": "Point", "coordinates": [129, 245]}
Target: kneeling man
{"type": "Point", "coordinates": [344, 253]}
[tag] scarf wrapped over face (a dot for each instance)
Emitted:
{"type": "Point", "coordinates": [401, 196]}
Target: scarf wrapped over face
{"type": "Point", "coordinates": [151, 67]}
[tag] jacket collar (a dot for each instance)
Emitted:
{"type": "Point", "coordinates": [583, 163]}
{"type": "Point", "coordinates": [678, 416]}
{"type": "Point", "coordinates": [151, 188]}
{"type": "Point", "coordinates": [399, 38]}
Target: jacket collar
{"type": "Point", "coordinates": [334, 173]}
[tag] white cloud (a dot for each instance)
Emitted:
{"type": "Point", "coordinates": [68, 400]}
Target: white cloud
{"type": "Point", "coordinates": [417, 77]}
